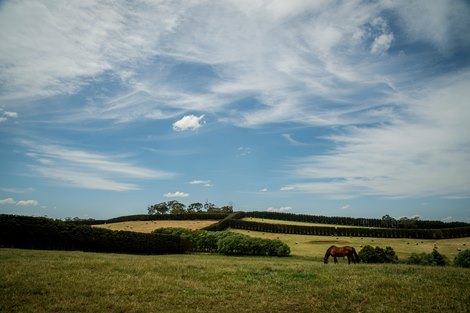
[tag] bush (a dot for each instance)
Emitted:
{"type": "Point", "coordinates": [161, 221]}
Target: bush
{"type": "Point", "coordinates": [244, 245]}
{"type": "Point", "coordinates": [463, 258]}
{"type": "Point", "coordinates": [229, 243]}
{"type": "Point", "coordinates": [433, 258]}
{"type": "Point", "coordinates": [369, 254]}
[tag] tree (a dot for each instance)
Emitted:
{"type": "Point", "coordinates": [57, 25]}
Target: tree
{"type": "Point", "coordinates": [209, 207]}
{"type": "Point", "coordinates": [389, 221]}
{"type": "Point", "coordinates": [195, 207]}
{"type": "Point", "coordinates": [176, 207]}
{"type": "Point", "coordinates": [406, 222]}
{"type": "Point", "coordinates": [226, 209]}
{"type": "Point", "coordinates": [160, 208]}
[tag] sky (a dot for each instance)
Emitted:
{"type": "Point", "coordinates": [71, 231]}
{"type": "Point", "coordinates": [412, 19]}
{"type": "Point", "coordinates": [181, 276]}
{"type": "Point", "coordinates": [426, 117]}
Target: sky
{"type": "Point", "coordinates": [337, 108]}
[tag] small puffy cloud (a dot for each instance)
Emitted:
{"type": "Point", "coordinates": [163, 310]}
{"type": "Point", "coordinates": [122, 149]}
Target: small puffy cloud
{"type": "Point", "coordinates": [188, 122]}
{"type": "Point", "coordinates": [177, 194]}
{"type": "Point", "coordinates": [287, 188]}
{"type": "Point", "coordinates": [345, 207]}
{"type": "Point", "coordinates": [6, 115]}
{"type": "Point", "coordinates": [27, 203]}
{"type": "Point", "coordinates": [264, 190]}
{"type": "Point", "coordinates": [281, 209]}
{"type": "Point", "coordinates": [10, 114]}
{"type": "Point", "coordinates": [381, 43]}
{"type": "Point", "coordinates": [8, 201]}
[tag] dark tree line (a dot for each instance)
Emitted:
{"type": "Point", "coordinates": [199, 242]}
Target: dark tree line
{"type": "Point", "coordinates": [457, 232]}
{"type": "Point", "coordinates": [385, 222]}
{"type": "Point", "coordinates": [175, 207]}
{"type": "Point", "coordinates": [43, 233]}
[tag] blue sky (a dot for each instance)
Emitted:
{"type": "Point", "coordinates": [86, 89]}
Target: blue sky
{"type": "Point", "coordinates": [345, 108]}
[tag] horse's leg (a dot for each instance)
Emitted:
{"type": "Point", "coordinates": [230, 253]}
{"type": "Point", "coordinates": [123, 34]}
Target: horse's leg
{"type": "Point", "coordinates": [349, 259]}
{"type": "Point", "coordinates": [336, 260]}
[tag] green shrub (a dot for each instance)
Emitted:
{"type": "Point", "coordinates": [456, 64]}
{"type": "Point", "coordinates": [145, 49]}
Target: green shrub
{"type": "Point", "coordinates": [228, 243]}
{"type": "Point", "coordinates": [433, 258]}
{"type": "Point", "coordinates": [369, 254]}
{"type": "Point", "coordinates": [244, 245]}
{"type": "Point", "coordinates": [463, 258]}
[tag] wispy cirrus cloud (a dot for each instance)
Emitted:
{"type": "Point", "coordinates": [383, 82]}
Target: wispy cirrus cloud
{"type": "Point", "coordinates": [304, 62]}
{"type": "Point", "coordinates": [206, 183]}
{"type": "Point", "coordinates": [427, 153]}
{"type": "Point", "coordinates": [88, 170]}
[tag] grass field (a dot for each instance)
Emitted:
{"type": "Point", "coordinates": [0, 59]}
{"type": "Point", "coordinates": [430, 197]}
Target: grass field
{"type": "Point", "coordinates": [269, 221]}
{"type": "Point", "coordinates": [56, 281]}
{"type": "Point", "coordinates": [149, 226]}
{"type": "Point", "coordinates": [313, 246]}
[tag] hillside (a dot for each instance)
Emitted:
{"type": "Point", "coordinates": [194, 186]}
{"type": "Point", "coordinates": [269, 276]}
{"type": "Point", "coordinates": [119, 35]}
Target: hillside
{"type": "Point", "coordinates": [149, 226]}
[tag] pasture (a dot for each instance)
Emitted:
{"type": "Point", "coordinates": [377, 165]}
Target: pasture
{"type": "Point", "coordinates": [315, 246]}
{"type": "Point", "coordinates": [149, 226]}
{"type": "Point", "coordinates": [312, 246]}
{"type": "Point", "coordinates": [59, 281]}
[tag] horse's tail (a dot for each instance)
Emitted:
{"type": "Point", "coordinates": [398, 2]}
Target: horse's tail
{"type": "Point", "coordinates": [355, 255]}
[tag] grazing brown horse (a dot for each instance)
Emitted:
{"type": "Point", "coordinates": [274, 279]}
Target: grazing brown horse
{"type": "Point", "coordinates": [335, 251]}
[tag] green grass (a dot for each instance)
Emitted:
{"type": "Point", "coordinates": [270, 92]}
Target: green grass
{"type": "Point", "coordinates": [316, 246]}
{"type": "Point", "coordinates": [56, 281]}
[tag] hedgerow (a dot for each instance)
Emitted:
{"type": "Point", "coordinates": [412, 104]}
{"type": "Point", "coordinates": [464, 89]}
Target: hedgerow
{"type": "Point", "coordinates": [43, 233]}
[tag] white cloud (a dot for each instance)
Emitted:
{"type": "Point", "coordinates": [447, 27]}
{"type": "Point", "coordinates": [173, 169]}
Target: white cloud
{"type": "Point", "coordinates": [55, 47]}
{"type": "Point", "coordinates": [18, 190]}
{"type": "Point", "coordinates": [244, 151]}
{"type": "Point", "coordinates": [264, 190]}
{"type": "Point", "coordinates": [206, 183]}
{"type": "Point", "coordinates": [287, 188]}
{"type": "Point", "coordinates": [424, 154]}
{"type": "Point", "coordinates": [88, 170]}
{"type": "Point", "coordinates": [281, 209]}
{"type": "Point", "coordinates": [8, 201]}
{"type": "Point", "coordinates": [177, 194]}
{"type": "Point", "coordinates": [381, 44]}
{"type": "Point", "coordinates": [301, 61]}
{"type": "Point", "coordinates": [27, 203]}
{"type": "Point", "coordinates": [345, 207]}
{"type": "Point", "coordinates": [7, 115]}
{"type": "Point", "coordinates": [188, 122]}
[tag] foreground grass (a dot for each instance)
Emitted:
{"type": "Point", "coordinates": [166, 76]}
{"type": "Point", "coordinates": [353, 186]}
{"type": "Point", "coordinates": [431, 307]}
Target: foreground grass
{"type": "Point", "coordinates": [56, 281]}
